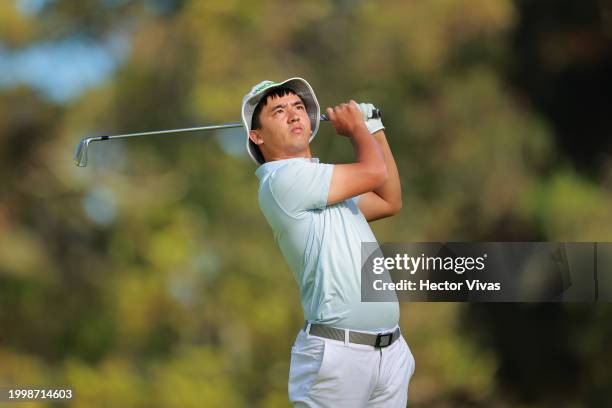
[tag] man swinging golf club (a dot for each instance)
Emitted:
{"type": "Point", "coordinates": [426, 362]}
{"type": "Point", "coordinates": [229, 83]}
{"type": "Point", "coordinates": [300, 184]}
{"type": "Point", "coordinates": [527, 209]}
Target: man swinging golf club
{"type": "Point", "coordinates": [349, 353]}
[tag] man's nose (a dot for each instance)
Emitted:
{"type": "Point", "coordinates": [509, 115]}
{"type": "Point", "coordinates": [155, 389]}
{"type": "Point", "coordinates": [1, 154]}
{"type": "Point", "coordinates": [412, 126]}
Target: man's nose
{"type": "Point", "coordinates": [293, 115]}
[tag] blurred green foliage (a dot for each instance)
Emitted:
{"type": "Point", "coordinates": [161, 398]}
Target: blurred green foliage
{"type": "Point", "coordinates": [151, 279]}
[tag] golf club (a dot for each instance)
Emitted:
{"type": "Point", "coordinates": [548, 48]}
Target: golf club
{"type": "Point", "coordinates": [80, 154]}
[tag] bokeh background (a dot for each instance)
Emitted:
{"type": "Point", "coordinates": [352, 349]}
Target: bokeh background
{"type": "Point", "coordinates": [150, 278]}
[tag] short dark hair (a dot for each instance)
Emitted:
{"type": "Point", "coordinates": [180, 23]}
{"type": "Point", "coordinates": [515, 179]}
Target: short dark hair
{"type": "Point", "coordinates": [278, 92]}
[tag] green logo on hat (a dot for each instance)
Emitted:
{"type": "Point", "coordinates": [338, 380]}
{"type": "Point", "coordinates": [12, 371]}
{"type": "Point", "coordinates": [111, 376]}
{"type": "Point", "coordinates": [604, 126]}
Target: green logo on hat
{"type": "Point", "coordinates": [262, 86]}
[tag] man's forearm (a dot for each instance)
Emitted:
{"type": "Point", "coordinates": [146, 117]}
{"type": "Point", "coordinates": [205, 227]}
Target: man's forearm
{"type": "Point", "coordinates": [391, 190]}
{"type": "Point", "coordinates": [367, 151]}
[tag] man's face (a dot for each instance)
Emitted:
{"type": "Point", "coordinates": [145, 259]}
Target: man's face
{"type": "Point", "coordinates": [285, 128]}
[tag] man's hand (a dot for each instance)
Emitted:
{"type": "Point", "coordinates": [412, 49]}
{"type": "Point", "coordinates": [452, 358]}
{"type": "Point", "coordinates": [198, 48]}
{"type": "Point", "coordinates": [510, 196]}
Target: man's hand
{"type": "Point", "coordinates": [369, 170]}
{"type": "Point", "coordinates": [373, 124]}
{"type": "Point", "coordinates": [346, 118]}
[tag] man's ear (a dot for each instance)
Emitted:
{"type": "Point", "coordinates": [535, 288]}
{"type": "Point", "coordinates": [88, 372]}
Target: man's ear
{"type": "Point", "coordinates": [255, 137]}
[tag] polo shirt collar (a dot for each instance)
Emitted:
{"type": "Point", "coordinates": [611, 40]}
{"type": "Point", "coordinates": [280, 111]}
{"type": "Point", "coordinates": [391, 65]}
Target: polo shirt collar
{"type": "Point", "coordinates": [271, 165]}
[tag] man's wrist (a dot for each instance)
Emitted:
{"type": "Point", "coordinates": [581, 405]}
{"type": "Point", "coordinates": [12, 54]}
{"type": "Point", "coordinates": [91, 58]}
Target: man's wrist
{"type": "Point", "coordinates": [360, 130]}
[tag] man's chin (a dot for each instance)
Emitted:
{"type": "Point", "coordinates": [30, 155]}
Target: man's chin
{"type": "Point", "coordinates": [299, 151]}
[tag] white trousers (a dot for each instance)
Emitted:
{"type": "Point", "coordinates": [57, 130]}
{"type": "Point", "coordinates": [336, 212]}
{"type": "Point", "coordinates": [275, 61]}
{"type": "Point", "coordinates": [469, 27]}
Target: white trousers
{"type": "Point", "coordinates": [332, 373]}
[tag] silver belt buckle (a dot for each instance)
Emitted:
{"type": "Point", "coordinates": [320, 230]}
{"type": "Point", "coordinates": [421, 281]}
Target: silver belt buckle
{"type": "Point", "coordinates": [383, 340]}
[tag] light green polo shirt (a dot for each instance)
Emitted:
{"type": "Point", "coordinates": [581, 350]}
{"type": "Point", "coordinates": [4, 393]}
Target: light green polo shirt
{"type": "Point", "coordinates": [321, 244]}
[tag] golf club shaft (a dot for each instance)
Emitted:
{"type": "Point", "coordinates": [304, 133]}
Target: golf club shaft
{"type": "Point", "coordinates": [375, 114]}
{"type": "Point", "coordinates": [162, 132]}
{"type": "Point", "coordinates": [80, 155]}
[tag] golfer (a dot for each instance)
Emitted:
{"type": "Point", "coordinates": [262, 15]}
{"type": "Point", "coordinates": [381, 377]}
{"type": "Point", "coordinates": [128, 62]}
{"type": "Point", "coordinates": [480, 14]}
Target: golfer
{"type": "Point", "coordinates": [349, 353]}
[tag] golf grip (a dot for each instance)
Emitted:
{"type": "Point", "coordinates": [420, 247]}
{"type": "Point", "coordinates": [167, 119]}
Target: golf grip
{"type": "Point", "coordinates": [376, 114]}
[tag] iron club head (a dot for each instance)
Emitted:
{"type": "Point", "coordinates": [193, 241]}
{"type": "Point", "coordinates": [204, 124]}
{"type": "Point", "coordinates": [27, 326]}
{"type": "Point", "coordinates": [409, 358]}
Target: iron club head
{"type": "Point", "coordinates": [80, 154]}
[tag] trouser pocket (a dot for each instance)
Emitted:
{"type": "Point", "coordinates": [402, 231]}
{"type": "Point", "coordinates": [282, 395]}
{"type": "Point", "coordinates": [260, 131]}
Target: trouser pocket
{"type": "Point", "coordinates": [307, 355]}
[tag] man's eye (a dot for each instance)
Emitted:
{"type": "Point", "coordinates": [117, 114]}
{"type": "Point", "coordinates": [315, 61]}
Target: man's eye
{"type": "Point", "coordinates": [300, 106]}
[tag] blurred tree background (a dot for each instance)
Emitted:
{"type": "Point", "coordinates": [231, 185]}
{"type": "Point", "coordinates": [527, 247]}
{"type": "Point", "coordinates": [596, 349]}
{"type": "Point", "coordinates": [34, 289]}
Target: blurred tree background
{"type": "Point", "coordinates": [151, 279]}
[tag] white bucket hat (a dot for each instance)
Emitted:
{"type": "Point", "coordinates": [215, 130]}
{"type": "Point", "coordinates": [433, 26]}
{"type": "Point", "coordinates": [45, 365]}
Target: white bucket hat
{"type": "Point", "coordinates": [250, 101]}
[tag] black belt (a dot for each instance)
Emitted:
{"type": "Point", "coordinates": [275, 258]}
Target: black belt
{"type": "Point", "coordinates": [370, 339]}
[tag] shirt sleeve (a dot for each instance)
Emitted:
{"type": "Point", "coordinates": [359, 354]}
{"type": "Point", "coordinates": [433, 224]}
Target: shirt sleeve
{"type": "Point", "coordinates": [301, 186]}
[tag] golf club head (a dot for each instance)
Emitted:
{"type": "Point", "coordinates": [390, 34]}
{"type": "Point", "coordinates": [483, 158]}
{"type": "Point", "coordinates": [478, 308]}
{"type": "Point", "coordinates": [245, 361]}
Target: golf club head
{"type": "Point", "coordinates": [80, 154]}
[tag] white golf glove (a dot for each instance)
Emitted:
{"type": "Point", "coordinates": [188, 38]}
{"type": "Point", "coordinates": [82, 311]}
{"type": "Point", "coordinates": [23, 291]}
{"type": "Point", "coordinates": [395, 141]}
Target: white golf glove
{"type": "Point", "coordinates": [373, 124]}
